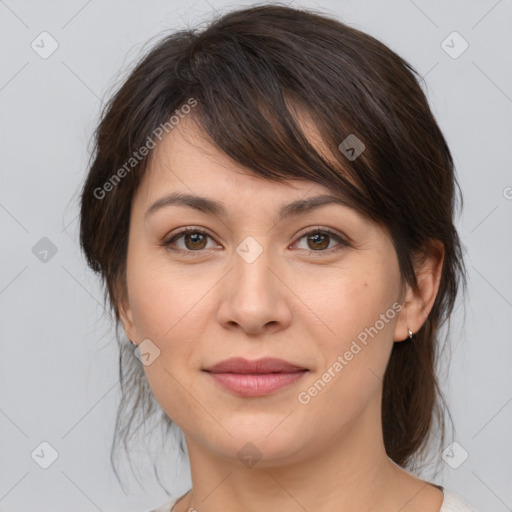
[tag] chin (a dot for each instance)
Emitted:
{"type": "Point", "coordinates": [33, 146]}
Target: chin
{"type": "Point", "coordinates": [257, 442]}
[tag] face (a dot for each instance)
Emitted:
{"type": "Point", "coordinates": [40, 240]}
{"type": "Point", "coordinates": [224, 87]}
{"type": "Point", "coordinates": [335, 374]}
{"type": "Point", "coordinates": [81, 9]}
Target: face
{"type": "Point", "coordinates": [316, 287]}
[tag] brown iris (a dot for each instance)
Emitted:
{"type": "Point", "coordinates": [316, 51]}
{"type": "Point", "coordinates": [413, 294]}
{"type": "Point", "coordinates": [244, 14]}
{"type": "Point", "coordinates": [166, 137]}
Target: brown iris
{"type": "Point", "coordinates": [197, 241]}
{"type": "Point", "coordinates": [321, 241]}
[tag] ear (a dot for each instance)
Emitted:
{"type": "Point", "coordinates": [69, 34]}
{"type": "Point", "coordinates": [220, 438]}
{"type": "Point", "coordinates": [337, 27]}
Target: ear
{"type": "Point", "coordinates": [126, 315]}
{"type": "Point", "coordinates": [417, 304]}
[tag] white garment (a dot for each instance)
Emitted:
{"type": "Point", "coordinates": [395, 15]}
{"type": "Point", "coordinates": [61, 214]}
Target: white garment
{"type": "Point", "coordinates": [451, 503]}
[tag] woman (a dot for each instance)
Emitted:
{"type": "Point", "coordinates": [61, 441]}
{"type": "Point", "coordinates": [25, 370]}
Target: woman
{"type": "Point", "coordinates": [271, 208]}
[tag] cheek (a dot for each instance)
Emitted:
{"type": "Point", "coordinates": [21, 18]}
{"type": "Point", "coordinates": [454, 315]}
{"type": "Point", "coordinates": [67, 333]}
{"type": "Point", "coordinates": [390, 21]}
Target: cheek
{"type": "Point", "coordinates": [357, 308]}
{"type": "Point", "coordinates": [163, 298]}
{"type": "Point", "coordinates": [167, 308]}
{"type": "Point", "coordinates": [349, 302]}
{"type": "Point", "coordinates": [170, 308]}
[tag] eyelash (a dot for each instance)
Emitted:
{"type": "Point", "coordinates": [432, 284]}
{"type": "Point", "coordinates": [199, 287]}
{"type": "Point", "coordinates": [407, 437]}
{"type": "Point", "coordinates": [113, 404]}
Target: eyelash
{"type": "Point", "coordinates": [317, 230]}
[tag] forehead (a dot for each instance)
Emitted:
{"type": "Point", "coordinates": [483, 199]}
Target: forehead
{"type": "Point", "coordinates": [187, 164]}
{"type": "Point", "coordinates": [186, 160]}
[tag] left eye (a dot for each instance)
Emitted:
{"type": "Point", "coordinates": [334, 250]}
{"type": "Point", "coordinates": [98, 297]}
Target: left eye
{"type": "Point", "coordinates": [320, 240]}
{"type": "Point", "coordinates": [196, 240]}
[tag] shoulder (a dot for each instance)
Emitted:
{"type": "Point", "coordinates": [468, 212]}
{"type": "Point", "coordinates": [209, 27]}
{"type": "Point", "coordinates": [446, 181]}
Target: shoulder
{"type": "Point", "coordinates": [454, 503]}
{"type": "Point", "coordinates": [166, 507]}
{"type": "Point", "coordinates": [451, 503]}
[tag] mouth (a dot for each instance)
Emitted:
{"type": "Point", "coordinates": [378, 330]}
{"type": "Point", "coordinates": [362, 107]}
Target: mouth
{"type": "Point", "coordinates": [255, 378]}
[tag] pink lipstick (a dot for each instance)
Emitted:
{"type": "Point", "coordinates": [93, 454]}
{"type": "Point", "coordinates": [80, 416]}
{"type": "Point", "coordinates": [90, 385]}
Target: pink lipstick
{"type": "Point", "coordinates": [255, 378]}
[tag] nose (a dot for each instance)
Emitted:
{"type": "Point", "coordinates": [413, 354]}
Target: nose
{"type": "Point", "coordinates": [255, 297]}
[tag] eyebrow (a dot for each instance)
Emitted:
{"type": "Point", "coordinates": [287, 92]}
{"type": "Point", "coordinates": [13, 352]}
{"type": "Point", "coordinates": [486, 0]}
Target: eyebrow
{"type": "Point", "coordinates": [217, 208]}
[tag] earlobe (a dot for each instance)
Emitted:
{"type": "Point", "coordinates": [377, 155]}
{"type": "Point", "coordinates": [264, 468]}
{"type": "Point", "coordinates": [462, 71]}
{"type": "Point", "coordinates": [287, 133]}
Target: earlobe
{"type": "Point", "coordinates": [419, 302]}
{"type": "Point", "coordinates": [402, 330]}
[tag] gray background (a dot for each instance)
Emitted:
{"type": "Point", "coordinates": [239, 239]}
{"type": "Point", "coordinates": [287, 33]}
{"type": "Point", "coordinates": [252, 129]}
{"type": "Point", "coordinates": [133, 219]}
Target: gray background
{"type": "Point", "coordinates": [58, 367]}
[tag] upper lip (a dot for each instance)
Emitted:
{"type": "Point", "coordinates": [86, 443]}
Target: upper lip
{"type": "Point", "coordinates": [264, 365]}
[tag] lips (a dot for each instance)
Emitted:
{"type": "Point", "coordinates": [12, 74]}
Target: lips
{"type": "Point", "coordinates": [255, 378]}
{"type": "Point", "coordinates": [244, 366]}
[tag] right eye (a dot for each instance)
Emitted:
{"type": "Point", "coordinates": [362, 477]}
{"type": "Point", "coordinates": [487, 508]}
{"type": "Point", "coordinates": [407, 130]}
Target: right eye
{"type": "Point", "coordinates": [193, 240]}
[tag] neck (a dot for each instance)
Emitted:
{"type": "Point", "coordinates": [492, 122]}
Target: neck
{"type": "Point", "coordinates": [349, 472]}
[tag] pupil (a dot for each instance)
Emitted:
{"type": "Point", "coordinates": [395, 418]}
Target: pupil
{"type": "Point", "coordinates": [323, 239]}
{"type": "Point", "coordinates": [196, 239]}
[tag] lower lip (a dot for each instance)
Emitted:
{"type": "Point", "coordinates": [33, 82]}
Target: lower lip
{"type": "Point", "coordinates": [252, 384]}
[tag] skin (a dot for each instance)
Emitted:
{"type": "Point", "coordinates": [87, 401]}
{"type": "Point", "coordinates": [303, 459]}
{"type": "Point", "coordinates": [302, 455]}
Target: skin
{"type": "Point", "coordinates": [294, 302]}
